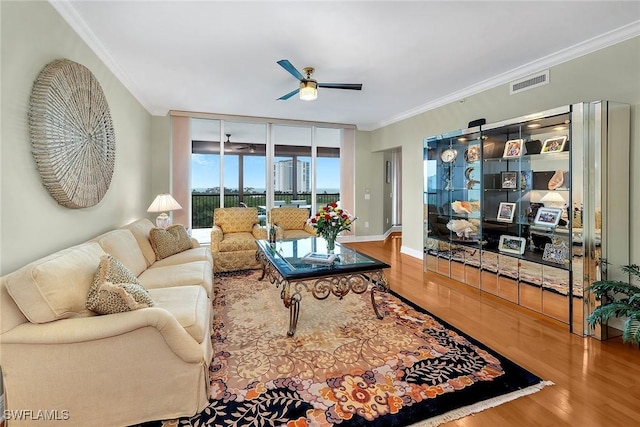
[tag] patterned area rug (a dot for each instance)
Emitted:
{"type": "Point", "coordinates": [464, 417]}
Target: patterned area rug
{"type": "Point", "coordinates": [343, 366]}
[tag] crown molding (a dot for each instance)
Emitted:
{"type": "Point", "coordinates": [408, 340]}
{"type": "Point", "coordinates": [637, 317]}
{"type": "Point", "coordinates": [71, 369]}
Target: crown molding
{"type": "Point", "coordinates": [75, 21]}
{"type": "Point", "coordinates": [583, 48]}
{"type": "Point", "coordinates": [71, 16]}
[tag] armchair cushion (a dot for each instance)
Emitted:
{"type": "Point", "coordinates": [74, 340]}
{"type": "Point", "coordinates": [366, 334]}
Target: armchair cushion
{"type": "Point", "coordinates": [115, 289]}
{"type": "Point", "coordinates": [289, 218]}
{"type": "Point", "coordinates": [237, 242]}
{"type": "Point", "coordinates": [234, 220]}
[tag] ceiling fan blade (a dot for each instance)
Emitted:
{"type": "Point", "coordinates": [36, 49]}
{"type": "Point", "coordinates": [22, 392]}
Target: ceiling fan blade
{"type": "Point", "coordinates": [352, 86]}
{"type": "Point", "coordinates": [289, 95]}
{"type": "Point", "coordinates": [284, 63]}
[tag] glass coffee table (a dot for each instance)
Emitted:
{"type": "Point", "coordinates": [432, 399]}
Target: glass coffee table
{"type": "Point", "coordinates": [350, 271]}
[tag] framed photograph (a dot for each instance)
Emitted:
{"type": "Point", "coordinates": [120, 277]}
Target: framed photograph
{"type": "Point", "coordinates": [472, 154]}
{"type": "Point", "coordinates": [513, 148]}
{"type": "Point", "coordinates": [526, 180]}
{"type": "Point", "coordinates": [509, 179]}
{"type": "Point", "coordinates": [548, 217]}
{"type": "Point", "coordinates": [553, 145]}
{"type": "Point", "coordinates": [556, 252]}
{"type": "Point", "coordinates": [512, 244]}
{"type": "Point", "coordinates": [506, 211]}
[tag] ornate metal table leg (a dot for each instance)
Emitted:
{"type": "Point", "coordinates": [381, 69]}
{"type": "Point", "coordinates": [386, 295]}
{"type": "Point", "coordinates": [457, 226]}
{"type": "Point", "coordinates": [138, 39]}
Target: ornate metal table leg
{"type": "Point", "coordinates": [378, 283]}
{"type": "Point", "coordinates": [262, 259]}
{"type": "Point", "coordinates": [294, 311]}
{"type": "Point", "coordinates": [292, 302]}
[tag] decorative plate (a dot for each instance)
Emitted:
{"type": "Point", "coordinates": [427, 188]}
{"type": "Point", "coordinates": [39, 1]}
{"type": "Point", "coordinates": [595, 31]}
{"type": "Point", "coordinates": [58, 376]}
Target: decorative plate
{"type": "Point", "coordinates": [557, 252]}
{"type": "Point", "coordinates": [72, 136]}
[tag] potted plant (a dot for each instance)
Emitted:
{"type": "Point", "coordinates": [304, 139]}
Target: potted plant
{"type": "Point", "coordinates": [619, 299]}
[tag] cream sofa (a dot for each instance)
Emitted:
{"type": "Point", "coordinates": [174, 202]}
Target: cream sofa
{"type": "Point", "coordinates": [233, 238]}
{"type": "Point", "coordinates": [114, 369]}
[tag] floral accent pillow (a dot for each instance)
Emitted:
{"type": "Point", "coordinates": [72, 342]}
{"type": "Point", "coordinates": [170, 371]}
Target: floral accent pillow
{"type": "Point", "coordinates": [115, 289]}
{"type": "Point", "coordinates": [169, 242]}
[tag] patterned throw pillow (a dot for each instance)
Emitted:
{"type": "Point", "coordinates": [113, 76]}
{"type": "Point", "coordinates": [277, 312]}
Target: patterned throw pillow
{"type": "Point", "coordinates": [180, 233]}
{"type": "Point", "coordinates": [115, 289]}
{"type": "Point", "coordinates": [170, 241]}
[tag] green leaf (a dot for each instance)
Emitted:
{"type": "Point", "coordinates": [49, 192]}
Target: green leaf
{"type": "Point", "coordinates": [602, 287]}
{"type": "Point", "coordinates": [631, 332]}
{"type": "Point", "coordinates": [614, 309]}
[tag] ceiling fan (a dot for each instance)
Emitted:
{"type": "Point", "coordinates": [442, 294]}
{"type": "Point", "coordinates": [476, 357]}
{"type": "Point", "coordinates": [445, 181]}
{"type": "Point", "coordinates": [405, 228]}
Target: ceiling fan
{"type": "Point", "coordinates": [239, 146]}
{"type": "Point", "coordinates": [308, 86]}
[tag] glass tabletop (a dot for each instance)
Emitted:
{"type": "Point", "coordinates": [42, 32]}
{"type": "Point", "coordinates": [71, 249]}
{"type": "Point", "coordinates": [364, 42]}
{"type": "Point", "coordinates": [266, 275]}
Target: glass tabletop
{"type": "Point", "coordinates": [288, 257]}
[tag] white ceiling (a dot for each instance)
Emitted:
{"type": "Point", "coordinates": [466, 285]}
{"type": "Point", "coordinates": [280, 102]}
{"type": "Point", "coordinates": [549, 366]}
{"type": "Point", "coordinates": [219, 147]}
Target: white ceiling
{"type": "Point", "coordinates": [220, 56]}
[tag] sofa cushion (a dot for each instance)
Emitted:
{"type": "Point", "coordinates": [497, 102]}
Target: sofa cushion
{"type": "Point", "coordinates": [170, 241]}
{"type": "Point", "coordinates": [202, 253]}
{"type": "Point", "coordinates": [140, 230]}
{"type": "Point", "coordinates": [122, 245]}
{"type": "Point", "coordinates": [237, 242]}
{"type": "Point", "coordinates": [189, 305]}
{"type": "Point", "coordinates": [192, 273]}
{"type": "Point", "coordinates": [56, 287]}
{"type": "Point", "coordinates": [115, 289]}
{"type": "Point", "coordinates": [234, 220]}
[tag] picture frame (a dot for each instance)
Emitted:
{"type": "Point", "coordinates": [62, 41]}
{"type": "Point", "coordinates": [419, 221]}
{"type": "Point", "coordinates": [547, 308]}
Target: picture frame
{"type": "Point", "coordinates": [509, 179]}
{"type": "Point", "coordinates": [553, 145]}
{"type": "Point", "coordinates": [506, 212]}
{"type": "Point", "coordinates": [513, 148]}
{"type": "Point", "coordinates": [512, 244]}
{"type": "Point", "coordinates": [548, 217]}
{"type": "Point", "coordinates": [556, 252]}
{"type": "Point", "coordinates": [472, 153]}
{"type": "Point", "coordinates": [526, 180]}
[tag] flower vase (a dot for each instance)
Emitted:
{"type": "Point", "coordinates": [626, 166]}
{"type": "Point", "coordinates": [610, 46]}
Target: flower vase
{"type": "Point", "coordinates": [331, 244]}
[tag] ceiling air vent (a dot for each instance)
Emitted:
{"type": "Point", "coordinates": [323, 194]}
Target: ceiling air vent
{"type": "Point", "coordinates": [529, 82]}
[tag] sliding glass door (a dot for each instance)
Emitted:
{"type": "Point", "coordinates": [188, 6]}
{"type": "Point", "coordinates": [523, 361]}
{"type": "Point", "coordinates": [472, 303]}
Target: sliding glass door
{"type": "Point", "coordinates": [261, 165]}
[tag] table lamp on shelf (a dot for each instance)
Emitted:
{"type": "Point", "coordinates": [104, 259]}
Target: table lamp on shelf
{"type": "Point", "coordinates": [553, 199]}
{"type": "Point", "coordinates": [164, 203]}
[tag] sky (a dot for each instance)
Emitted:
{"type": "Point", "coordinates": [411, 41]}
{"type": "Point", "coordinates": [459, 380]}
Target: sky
{"type": "Point", "coordinates": [205, 171]}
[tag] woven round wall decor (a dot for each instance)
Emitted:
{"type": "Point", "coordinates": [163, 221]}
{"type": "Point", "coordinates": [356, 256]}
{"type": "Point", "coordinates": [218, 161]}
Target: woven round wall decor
{"type": "Point", "coordinates": [72, 136]}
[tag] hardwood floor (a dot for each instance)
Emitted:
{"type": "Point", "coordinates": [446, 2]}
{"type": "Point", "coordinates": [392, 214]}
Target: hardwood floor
{"type": "Point", "coordinates": [597, 383]}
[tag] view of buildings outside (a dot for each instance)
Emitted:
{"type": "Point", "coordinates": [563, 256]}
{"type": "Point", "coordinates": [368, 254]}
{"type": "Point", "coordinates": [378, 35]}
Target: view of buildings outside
{"type": "Point", "coordinates": [283, 176]}
{"type": "Point", "coordinates": [205, 174]}
{"type": "Point", "coordinates": [205, 185]}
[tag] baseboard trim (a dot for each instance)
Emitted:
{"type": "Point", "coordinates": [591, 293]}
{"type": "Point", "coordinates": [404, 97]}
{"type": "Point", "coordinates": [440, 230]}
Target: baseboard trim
{"type": "Point", "coordinates": [411, 252]}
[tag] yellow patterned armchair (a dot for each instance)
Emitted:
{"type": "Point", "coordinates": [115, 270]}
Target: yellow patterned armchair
{"type": "Point", "coordinates": [291, 223]}
{"type": "Point", "coordinates": [233, 238]}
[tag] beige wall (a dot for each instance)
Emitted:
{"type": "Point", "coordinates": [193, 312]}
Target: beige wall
{"type": "Point", "coordinates": [608, 74]}
{"type": "Point", "coordinates": [32, 223]}
{"type": "Point", "coordinates": [160, 158]}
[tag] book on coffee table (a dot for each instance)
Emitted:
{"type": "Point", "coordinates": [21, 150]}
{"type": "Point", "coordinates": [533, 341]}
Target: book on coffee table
{"type": "Point", "coordinates": [319, 258]}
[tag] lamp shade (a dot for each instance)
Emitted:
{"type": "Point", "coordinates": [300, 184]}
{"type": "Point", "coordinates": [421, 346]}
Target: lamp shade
{"type": "Point", "coordinates": [553, 197]}
{"type": "Point", "coordinates": [164, 203]}
{"type": "Point", "coordinates": [531, 196]}
{"type": "Point", "coordinates": [308, 90]}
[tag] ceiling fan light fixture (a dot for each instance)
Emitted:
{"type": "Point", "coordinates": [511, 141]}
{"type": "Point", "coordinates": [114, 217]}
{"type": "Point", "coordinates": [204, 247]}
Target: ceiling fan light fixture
{"type": "Point", "coordinates": [308, 90]}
